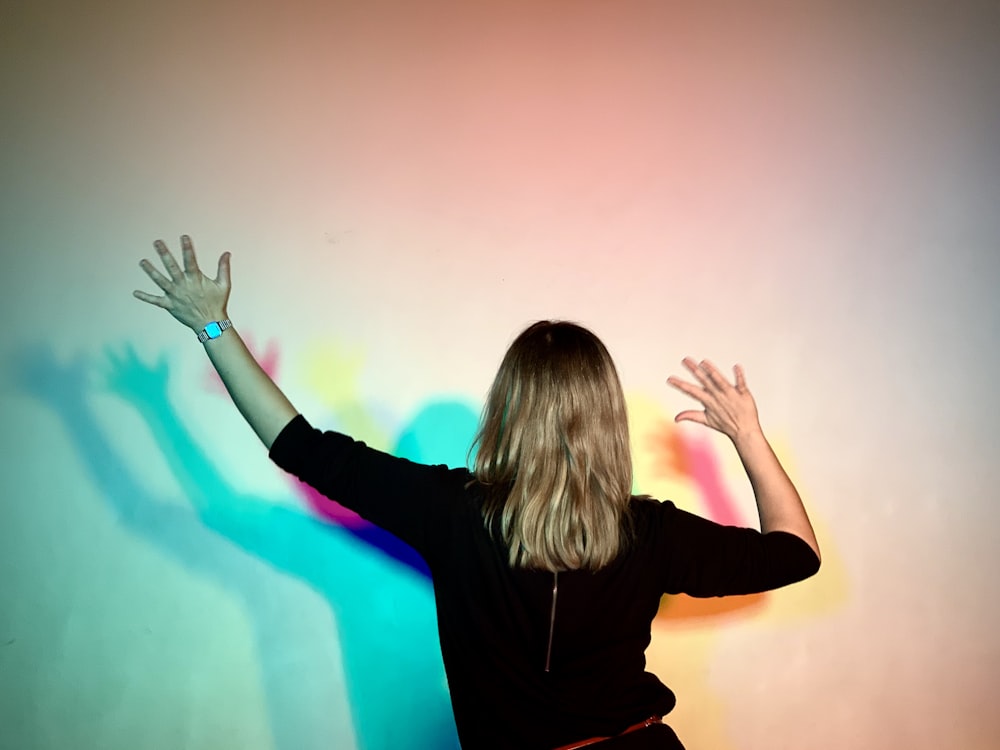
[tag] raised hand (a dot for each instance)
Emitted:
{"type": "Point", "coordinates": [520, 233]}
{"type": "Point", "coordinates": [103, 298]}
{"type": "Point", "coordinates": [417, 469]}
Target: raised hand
{"type": "Point", "coordinates": [729, 408]}
{"type": "Point", "coordinates": [188, 295]}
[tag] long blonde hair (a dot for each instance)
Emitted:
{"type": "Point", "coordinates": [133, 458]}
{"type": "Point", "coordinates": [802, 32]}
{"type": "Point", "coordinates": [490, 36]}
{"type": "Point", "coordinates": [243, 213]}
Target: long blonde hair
{"type": "Point", "coordinates": [553, 451]}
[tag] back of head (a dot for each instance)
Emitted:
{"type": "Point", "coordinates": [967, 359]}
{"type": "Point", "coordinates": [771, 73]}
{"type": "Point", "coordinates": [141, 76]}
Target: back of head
{"type": "Point", "coordinates": [553, 449]}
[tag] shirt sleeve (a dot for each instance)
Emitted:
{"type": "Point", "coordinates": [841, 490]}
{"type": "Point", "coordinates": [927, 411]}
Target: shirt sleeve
{"type": "Point", "coordinates": [400, 496]}
{"type": "Point", "coordinates": [704, 558]}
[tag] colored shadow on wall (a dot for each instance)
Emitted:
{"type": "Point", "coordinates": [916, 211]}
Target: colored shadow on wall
{"type": "Point", "coordinates": [386, 623]}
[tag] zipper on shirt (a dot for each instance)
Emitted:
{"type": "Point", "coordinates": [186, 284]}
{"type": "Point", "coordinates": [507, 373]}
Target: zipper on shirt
{"type": "Point", "coordinates": [552, 620]}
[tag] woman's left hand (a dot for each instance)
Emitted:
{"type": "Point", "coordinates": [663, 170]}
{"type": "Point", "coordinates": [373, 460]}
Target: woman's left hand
{"type": "Point", "coordinates": [189, 295]}
{"type": "Point", "coordinates": [729, 408]}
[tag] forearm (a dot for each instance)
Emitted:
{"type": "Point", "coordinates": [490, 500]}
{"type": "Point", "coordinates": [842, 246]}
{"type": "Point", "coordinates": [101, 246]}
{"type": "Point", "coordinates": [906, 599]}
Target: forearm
{"type": "Point", "coordinates": [778, 502]}
{"type": "Point", "coordinates": [259, 400]}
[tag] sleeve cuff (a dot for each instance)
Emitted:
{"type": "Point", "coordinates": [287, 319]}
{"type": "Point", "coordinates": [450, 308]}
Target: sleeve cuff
{"type": "Point", "coordinates": [283, 449]}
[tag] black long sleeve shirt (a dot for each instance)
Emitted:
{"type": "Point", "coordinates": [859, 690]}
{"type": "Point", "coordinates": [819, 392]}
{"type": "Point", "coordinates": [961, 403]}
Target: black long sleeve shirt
{"type": "Point", "coordinates": [531, 665]}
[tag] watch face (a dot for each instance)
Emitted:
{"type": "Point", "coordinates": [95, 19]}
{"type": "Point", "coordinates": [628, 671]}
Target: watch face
{"type": "Point", "coordinates": [213, 330]}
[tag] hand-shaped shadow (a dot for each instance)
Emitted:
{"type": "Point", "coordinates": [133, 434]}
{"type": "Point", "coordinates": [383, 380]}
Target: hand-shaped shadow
{"type": "Point", "coordinates": [384, 613]}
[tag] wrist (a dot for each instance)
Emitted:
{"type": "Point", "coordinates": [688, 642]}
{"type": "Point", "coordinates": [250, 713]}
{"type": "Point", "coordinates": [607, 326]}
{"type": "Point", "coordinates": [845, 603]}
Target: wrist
{"type": "Point", "coordinates": [213, 329]}
{"type": "Point", "coordinates": [749, 439]}
{"type": "Point", "coordinates": [202, 318]}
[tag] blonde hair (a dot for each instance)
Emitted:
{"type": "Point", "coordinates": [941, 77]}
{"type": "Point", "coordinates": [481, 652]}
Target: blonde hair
{"type": "Point", "coordinates": [553, 451]}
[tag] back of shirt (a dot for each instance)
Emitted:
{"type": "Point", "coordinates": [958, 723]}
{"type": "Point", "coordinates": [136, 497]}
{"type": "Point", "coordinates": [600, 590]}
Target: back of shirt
{"type": "Point", "coordinates": [536, 659]}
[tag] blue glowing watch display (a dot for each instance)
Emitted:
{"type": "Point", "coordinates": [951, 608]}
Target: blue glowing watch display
{"type": "Point", "coordinates": [213, 330]}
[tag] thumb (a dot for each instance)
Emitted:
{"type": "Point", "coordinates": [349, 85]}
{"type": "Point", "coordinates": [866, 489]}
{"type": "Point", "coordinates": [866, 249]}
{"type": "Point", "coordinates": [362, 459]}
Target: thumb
{"type": "Point", "coordinates": [223, 276]}
{"type": "Point", "coordinates": [691, 416]}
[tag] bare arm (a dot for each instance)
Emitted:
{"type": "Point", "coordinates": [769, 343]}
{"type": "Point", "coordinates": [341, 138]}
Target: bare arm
{"type": "Point", "coordinates": [195, 300]}
{"type": "Point", "coordinates": [731, 410]}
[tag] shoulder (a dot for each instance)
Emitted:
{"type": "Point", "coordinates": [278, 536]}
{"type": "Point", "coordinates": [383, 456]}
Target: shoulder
{"type": "Point", "coordinates": [645, 511]}
{"type": "Point", "coordinates": [661, 525]}
{"type": "Point", "coordinates": [650, 524]}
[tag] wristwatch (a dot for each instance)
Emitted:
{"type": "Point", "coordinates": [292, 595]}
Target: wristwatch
{"type": "Point", "coordinates": [214, 329]}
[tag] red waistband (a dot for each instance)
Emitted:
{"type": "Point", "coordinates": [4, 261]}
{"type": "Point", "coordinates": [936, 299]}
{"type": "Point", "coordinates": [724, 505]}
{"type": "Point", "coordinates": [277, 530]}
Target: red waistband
{"type": "Point", "coordinates": [593, 740]}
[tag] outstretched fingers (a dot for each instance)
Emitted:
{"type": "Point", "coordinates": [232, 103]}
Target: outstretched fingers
{"type": "Point", "coordinates": [158, 278]}
{"type": "Point", "coordinates": [190, 261]}
{"type": "Point", "coordinates": [188, 294]}
{"type": "Point", "coordinates": [728, 408]}
{"type": "Point", "coordinates": [176, 274]}
{"type": "Point", "coordinates": [713, 387]}
{"type": "Point", "coordinates": [168, 260]}
{"type": "Point", "coordinates": [223, 277]}
{"type": "Point", "coordinates": [698, 394]}
{"type": "Point", "coordinates": [684, 387]}
{"type": "Point", "coordinates": [741, 378]}
{"type": "Point", "coordinates": [714, 376]}
{"type": "Point", "coordinates": [152, 299]}
{"type": "Point", "coordinates": [696, 369]}
{"type": "Point", "coordinates": [692, 415]}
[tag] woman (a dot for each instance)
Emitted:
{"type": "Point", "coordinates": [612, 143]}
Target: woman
{"type": "Point", "coordinates": [547, 571]}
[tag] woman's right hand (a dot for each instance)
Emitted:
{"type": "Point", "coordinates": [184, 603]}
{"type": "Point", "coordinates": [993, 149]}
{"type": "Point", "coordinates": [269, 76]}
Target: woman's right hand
{"type": "Point", "coordinates": [729, 408]}
{"type": "Point", "coordinates": [190, 296]}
